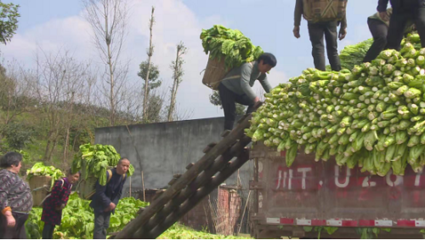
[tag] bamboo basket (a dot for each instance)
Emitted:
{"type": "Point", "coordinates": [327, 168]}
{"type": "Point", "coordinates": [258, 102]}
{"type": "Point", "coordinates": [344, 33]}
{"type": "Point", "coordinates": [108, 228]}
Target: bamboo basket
{"type": "Point", "coordinates": [40, 187]}
{"type": "Point", "coordinates": [214, 73]}
{"type": "Point", "coordinates": [87, 188]}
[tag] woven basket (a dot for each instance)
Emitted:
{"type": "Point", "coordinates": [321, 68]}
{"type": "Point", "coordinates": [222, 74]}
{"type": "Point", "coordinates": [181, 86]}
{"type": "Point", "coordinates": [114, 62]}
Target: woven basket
{"type": "Point", "coordinates": [214, 73]}
{"type": "Point", "coordinates": [40, 187]}
{"type": "Point", "coordinates": [87, 188]}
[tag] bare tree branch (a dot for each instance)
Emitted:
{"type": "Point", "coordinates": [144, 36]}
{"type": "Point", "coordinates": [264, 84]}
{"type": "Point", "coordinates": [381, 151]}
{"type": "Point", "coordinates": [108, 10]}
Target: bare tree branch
{"type": "Point", "coordinates": [108, 19]}
{"type": "Point", "coordinates": [178, 72]}
{"type": "Point", "coordinates": [149, 53]}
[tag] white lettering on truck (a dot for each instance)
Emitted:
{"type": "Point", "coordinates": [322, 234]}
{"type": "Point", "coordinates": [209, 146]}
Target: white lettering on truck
{"type": "Point", "coordinates": [347, 178]}
{"type": "Point", "coordinates": [304, 172]}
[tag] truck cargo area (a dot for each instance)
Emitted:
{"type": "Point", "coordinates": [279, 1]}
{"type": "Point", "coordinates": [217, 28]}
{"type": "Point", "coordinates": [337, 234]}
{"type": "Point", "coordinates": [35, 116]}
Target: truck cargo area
{"type": "Point", "coordinates": [295, 201]}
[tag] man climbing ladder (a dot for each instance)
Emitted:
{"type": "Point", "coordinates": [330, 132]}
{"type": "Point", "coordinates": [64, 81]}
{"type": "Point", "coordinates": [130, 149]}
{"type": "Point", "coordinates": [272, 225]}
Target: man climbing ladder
{"type": "Point", "coordinates": [236, 87]}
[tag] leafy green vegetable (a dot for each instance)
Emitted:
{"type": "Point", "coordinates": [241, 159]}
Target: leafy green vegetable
{"type": "Point", "coordinates": [95, 160]}
{"type": "Point", "coordinates": [353, 55]}
{"type": "Point", "coordinates": [221, 42]}
{"type": "Point", "coordinates": [39, 169]}
{"type": "Point", "coordinates": [377, 109]}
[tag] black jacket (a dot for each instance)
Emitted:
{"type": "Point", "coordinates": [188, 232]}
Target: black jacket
{"type": "Point", "coordinates": [111, 192]}
{"type": "Point", "coordinates": [400, 5]}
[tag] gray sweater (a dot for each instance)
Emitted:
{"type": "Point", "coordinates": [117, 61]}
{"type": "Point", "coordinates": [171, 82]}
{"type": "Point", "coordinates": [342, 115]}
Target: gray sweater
{"type": "Point", "coordinates": [240, 80]}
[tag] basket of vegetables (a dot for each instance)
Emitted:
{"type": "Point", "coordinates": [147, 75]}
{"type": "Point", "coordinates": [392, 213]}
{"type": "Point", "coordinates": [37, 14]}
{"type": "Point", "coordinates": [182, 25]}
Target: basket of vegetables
{"type": "Point", "coordinates": [227, 49]}
{"type": "Point", "coordinates": [41, 179]}
{"type": "Point", "coordinates": [93, 161]}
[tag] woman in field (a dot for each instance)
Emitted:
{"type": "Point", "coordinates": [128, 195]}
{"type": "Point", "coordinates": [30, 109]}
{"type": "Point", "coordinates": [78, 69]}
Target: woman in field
{"type": "Point", "coordinates": [15, 198]}
{"type": "Point", "coordinates": [53, 205]}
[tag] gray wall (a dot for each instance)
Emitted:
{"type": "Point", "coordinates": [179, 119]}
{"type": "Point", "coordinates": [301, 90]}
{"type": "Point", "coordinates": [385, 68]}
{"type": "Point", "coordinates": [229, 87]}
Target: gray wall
{"type": "Point", "coordinates": [164, 149]}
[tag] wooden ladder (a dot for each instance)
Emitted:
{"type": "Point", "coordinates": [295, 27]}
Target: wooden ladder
{"type": "Point", "coordinates": [187, 190]}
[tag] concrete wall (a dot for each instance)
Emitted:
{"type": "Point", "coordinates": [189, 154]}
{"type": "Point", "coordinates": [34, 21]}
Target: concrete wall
{"type": "Point", "coordinates": [164, 149]}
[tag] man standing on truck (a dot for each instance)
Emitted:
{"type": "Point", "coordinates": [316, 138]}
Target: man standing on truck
{"type": "Point", "coordinates": [379, 29]}
{"type": "Point", "coordinates": [106, 197]}
{"type": "Point", "coordinates": [323, 18]}
{"type": "Point", "coordinates": [236, 86]}
{"type": "Point", "coordinates": [403, 11]}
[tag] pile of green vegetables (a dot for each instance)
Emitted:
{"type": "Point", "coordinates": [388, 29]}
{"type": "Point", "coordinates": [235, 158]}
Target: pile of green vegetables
{"type": "Point", "coordinates": [372, 117]}
{"type": "Point", "coordinates": [354, 54]}
{"type": "Point", "coordinates": [95, 160]}
{"type": "Point", "coordinates": [221, 42]}
{"type": "Point", "coordinates": [78, 217]}
{"type": "Point", "coordinates": [39, 169]}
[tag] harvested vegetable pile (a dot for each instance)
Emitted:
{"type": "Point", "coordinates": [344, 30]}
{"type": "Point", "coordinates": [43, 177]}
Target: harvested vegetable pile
{"type": "Point", "coordinates": [78, 217]}
{"type": "Point", "coordinates": [231, 44]}
{"type": "Point", "coordinates": [353, 55]}
{"type": "Point", "coordinates": [39, 169]}
{"type": "Point", "coordinates": [373, 116]}
{"type": "Point", "coordinates": [95, 160]}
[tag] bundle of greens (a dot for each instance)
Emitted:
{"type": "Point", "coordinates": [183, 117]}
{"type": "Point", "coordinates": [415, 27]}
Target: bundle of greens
{"type": "Point", "coordinates": [353, 55]}
{"type": "Point", "coordinates": [39, 169]}
{"type": "Point", "coordinates": [372, 117]}
{"type": "Point", "coordinates": [95, 160]}
{"type": "Point", "coordinates": [236, 49]}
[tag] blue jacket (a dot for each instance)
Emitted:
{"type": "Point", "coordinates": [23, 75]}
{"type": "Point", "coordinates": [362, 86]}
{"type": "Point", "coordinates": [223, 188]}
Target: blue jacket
{"type": "Point", "coordinates": [111, 192]}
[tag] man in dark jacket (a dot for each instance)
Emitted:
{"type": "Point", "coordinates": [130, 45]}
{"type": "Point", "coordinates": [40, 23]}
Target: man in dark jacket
{"type": "Point", "coordinates": [403, 11]}
{"type": "Point", "coordinates": [106, 198]}
{"type": "Point", "coordinates": [316, 31]}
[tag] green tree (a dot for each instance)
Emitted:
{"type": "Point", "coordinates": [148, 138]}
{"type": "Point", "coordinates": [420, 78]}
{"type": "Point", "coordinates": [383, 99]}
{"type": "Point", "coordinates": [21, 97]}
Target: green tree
{"type": "Point", "coordinates": [153, 75]}
{"type": "Point", "coordinates": [8, 21]}
{"type": "Point", "coordinates": [155, 108]}
{"type": "Point", "coordinates": [16, 135]}
{"type": "Point", "coordinates": [215, 100]}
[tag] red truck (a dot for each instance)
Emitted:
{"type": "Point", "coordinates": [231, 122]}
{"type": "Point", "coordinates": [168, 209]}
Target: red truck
{"type": "Point", "coordinates": [311, 198]}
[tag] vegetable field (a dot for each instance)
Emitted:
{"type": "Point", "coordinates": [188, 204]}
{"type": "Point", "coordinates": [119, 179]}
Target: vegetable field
{"type": "Point", "coordinates": [78, 217]}
{"type": "Point", "coordinates": [78, 222]}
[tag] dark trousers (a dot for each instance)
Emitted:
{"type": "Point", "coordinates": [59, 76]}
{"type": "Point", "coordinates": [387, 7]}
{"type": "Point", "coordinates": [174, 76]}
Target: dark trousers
{"type": "Point", "coordinates": [316, 32]}
{"type": "Point", "coordinates": [101, 224]}
{"type": "Point", "coordinates": [379, 32]}
{"type": "Point", "coordinates": [398, 23]}
{"type": "Point", "coordinates": [228, 102]}
{"type": "Point", "coordinates": [16, 232]}
{"type": "Point", "coordinates": [48, 231]}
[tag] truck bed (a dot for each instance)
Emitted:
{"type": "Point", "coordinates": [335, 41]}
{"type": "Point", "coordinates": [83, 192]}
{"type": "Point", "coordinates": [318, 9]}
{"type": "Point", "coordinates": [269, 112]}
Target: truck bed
{"type": "Point", "coordinates": [313, 193]}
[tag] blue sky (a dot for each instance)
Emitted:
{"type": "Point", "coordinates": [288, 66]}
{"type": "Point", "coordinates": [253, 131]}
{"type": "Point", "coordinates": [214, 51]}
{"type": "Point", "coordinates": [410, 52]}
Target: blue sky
{"type": "Point", "coordinates": [52, 24]}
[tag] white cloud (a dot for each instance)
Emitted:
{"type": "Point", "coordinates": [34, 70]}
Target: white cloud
{"type": "Point", "coordinates": [174, 22]}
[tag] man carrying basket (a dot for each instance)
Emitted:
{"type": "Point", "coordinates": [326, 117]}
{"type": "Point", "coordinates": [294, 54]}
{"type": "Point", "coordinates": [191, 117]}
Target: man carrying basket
{"type": "Point", "coordinates": [236, 86]}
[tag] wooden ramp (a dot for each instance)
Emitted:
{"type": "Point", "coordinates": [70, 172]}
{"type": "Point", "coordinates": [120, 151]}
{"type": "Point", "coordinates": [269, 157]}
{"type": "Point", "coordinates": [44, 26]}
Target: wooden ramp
{"type": "Point", "coordinates": [220, 161]}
